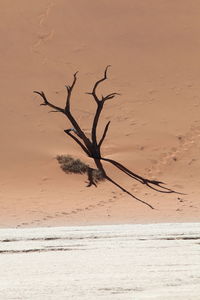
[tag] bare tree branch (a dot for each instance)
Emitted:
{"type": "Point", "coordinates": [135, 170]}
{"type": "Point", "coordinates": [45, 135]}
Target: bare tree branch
{"type": "Point", "coordinates": [53, 111]}
{"type": "Point", "coordinates": [104, 135]}
{"type": "Point", "coordinates": [69, 92]}
{"type": "Point", "coordinates": [93, 93]}
{"type": "Point", "coordinates": [127, 192]}
{"type": "Point", "coordinates": [46, 102]}
{"type": "Point", "coordinates": [152, 184]}
{"type": "Point", "coordinates": [101, 168]}
{"type": "Point", "coordinates": [100, 104]}
{"type": "Point", "coordinates": [68, 114]}
{"type": "Point", "coordinates": [110, 96]}
{"type": "Point", "coordinates": [67, 131]}
{"type": "Point", "coordinates": [95, 123]}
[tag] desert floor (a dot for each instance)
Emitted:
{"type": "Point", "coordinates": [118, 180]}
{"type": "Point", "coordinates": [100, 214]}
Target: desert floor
{"type": "Point", "coordinates": [153, 48]}
{"type": "Point", "coordinates": [152, 261]}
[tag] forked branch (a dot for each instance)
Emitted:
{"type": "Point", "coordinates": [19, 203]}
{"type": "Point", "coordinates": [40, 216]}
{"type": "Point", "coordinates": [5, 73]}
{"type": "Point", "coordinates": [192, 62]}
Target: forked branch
{"type": "Point", "coordinates": [67, 113]}
{"type": "Point", "coordinates": [94, 93]}
{"type": "Point", "coordinates": [100, 105]}
{"type": "Point", "coordinates": [68, 132]}
{"type": "Point", "coordinates": [46, 102]}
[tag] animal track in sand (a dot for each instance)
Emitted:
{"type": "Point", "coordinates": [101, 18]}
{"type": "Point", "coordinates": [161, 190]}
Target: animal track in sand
{"type": "Point", "coordinates": [186, 142]}
{"type": "Point", "coordinates": [45, 15]}
{"type": "Point", "coordinates": [72, 212]}
{"type": "Point", "coordinates": [67, 214]}
{"type": "Point", "coordinates": [43, 34]}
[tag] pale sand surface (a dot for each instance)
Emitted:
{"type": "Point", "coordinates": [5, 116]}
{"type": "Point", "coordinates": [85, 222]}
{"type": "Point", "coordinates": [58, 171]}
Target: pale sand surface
{"type": "Point", "coordinates": [153, 47]}
{"type": "Point", "coordinates": [154, 261]}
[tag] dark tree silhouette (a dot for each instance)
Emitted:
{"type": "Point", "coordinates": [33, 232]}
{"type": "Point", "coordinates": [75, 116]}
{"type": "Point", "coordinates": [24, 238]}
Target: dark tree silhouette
{"type": "Point", "coordinates": [92, 146]}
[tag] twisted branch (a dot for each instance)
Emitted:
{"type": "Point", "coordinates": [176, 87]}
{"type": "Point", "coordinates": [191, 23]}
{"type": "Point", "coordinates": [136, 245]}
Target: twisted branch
{"type": "Point", "coordinates": [100, 104]}
{"type": "Point", "coordinates": [69, 92]}
{"type": "Point", "coordinates": [47, 103]}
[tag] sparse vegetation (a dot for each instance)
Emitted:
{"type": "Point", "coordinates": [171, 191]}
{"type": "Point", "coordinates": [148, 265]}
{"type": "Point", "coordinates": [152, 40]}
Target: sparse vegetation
{"type": "Point", "coordinates": [71, 165]}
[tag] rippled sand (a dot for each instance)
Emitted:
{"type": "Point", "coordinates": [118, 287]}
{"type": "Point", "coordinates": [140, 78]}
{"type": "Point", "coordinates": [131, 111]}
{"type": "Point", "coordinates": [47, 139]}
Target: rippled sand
{"type": "Point", "coordinates": [157, 261]}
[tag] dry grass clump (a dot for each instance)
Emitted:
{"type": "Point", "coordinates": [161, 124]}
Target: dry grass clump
{"type": "Point", "coordinates": [97, 175]}
{"type": "Point", "coordinates": [71, 165]}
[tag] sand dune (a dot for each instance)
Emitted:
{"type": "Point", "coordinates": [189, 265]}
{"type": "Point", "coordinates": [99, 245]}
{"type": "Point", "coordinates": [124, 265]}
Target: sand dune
{"type": "Point", "coordinates": [153, 47]}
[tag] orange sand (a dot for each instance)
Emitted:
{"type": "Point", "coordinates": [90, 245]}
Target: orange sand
{"type": "Point", "coordinates": [153, 47]}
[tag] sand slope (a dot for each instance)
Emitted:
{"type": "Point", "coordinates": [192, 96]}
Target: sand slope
{"type": "Point", "coordinates": [153, 47]}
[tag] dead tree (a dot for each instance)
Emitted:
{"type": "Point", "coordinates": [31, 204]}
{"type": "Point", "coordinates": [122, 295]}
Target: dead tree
{"type": "Point", "coordinates": [92, 146]}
